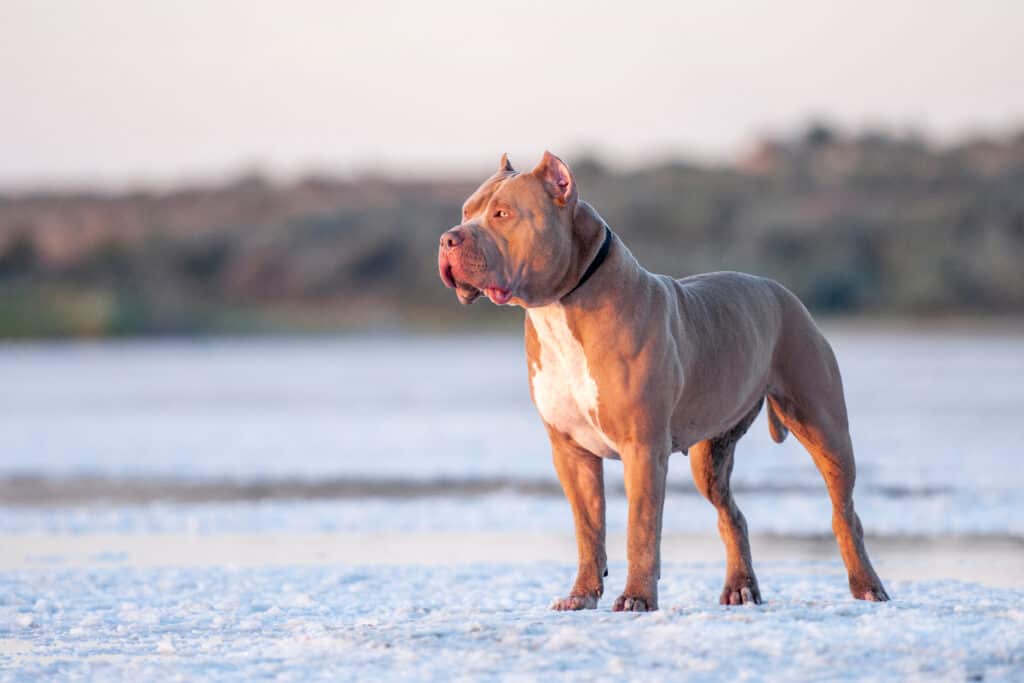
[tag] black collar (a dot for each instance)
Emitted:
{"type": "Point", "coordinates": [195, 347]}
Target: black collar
{"type": "Point", "coordinates": [602, 253]}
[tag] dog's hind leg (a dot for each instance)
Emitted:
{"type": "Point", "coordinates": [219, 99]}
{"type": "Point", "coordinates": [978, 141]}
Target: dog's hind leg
{"type": "Point", "coordinates": [711, 462]}
{"type": "Point", "coordinates": [808, 398]}
{"type": "Point", "coordinates": [833, 456]}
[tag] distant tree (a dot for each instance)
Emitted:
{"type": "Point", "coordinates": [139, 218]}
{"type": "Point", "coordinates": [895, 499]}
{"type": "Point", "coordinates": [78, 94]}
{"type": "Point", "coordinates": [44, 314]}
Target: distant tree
{"type": "Point", "coordinates": [19, 258]}
{"type": "Point", "coordinates": [819, 134]}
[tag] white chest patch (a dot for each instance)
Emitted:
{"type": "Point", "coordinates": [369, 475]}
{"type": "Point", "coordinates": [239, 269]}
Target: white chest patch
{"type": "Point", "coordinates": [563, 389]}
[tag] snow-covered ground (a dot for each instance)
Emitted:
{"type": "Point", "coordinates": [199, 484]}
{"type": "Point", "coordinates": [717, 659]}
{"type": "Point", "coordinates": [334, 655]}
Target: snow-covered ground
{"type": "Point", "coordinates": [454, 583]}
{"type": "Point", "coordinates": [490, 622]}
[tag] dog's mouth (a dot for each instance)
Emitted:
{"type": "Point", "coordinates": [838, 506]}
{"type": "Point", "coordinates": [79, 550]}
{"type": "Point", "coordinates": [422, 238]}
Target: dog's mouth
{"type": "Point", "coordinates": [466, 292]}
{"type": "Point", "coordinates": [498, 295]}
{"type": "Point", "coordinates": [444, 267]}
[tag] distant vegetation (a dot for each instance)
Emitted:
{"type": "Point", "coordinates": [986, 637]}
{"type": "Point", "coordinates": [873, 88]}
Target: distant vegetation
{"type": "Point", "coordinates": [866, 224]}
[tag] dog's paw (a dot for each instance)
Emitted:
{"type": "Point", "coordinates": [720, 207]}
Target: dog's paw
{"type": "Point", "coordinates": [634, 603]}
{"type": "Point", "coordinates": [868, 588]}
{"type": "Point", "coordinates": [875, 594]}
{"type": "Point", "coordinates": [740, 591]}
{"type": "Point", "coordinates": [575, 602]}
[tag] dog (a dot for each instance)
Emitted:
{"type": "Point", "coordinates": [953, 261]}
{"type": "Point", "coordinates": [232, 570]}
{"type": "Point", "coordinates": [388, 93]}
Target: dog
{"type": "Point", "coordinates": [630, 365]}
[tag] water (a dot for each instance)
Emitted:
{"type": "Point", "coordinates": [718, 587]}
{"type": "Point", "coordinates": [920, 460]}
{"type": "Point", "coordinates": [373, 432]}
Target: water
{"type": "Point", "coordinates": [936, 418]}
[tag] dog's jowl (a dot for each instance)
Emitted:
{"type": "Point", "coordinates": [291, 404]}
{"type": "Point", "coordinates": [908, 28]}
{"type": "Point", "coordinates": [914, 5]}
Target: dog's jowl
{"type": "Point", "coordinates": [631, 365]}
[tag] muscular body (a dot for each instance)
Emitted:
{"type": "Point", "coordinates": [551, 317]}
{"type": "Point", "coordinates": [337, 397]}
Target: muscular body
{"type": "Point", "coordinates": [634, 366]}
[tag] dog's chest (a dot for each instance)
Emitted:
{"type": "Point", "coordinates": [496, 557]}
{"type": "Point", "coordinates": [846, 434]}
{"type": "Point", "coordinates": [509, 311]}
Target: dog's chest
{"type": "Point", "coordinates": [564, 390]}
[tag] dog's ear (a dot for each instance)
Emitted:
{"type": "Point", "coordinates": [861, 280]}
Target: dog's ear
{"type": "Point", "coordinates": [557, 179]}
{"type": "Point", "coordinates": [505, 166]}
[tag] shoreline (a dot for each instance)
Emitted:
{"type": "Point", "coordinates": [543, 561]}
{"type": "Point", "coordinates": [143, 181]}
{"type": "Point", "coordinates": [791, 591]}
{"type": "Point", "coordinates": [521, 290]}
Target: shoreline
{"type": "Point", "coordinates": [996, 562]}
{"type": "Point", "coordinates": [40, 492]}
{"type": "Point", "coordinates": [997, 324]}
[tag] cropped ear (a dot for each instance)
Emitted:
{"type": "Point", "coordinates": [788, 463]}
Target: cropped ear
{"type": "Point", "coordinates": [505, 166]}
{"type": "Point", "coordinates": [557, 179]}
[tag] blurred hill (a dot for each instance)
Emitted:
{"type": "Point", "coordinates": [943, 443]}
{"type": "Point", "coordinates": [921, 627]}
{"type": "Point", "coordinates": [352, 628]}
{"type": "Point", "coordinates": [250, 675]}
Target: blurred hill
{"type": "Point", "coordinates": [872, 223]}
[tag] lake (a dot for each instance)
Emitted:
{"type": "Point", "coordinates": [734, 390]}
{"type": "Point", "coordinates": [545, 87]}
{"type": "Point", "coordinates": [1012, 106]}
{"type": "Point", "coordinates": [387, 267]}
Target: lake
{"type": "Point", "coordinates": [443, 426]}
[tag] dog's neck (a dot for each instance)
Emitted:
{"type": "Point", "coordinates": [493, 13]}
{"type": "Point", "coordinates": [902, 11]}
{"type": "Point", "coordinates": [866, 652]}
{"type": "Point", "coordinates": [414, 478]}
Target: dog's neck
{"type": "Point", "coordinates": [602, 254]}
{"type": "Point", "coordinates": [589, 235]}
{"type": "Point", "coordinates": [597, 303]}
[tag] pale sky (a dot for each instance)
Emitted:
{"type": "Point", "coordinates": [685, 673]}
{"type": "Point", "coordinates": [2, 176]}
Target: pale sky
{"type": "Point", "coordinates": [116, 92]}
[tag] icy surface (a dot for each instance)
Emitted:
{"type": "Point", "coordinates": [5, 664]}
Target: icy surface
{"type": "Point", "coordinates": [935, 418]}
{"type": "Point", "coordinates": [998, 514]}
{"type": "Point", "coordinates": [491, 622]}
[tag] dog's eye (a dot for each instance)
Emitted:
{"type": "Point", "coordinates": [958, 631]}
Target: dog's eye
{"type": "Point", "coordinates": [501, 213]}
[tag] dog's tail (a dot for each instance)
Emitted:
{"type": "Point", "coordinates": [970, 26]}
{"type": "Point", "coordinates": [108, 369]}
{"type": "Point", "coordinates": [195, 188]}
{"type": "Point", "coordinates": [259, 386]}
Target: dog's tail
{"type": "Point", "coordinates": [775, 426]}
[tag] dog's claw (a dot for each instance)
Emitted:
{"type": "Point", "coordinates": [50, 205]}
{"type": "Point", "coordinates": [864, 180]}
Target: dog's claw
{"type": "Point", "coordinates": [628, 603]}
{"type": "Point", "coordinates": [574, 603]}
{"type": "Point", "coordinates": [746, 593]}
{"type": "Point", "coordinates": [876, 595]}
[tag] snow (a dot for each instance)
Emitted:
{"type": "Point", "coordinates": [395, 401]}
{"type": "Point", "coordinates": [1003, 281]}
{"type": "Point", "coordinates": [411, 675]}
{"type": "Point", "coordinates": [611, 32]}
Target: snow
{"type": "Point", "coordinates": [491, 621]}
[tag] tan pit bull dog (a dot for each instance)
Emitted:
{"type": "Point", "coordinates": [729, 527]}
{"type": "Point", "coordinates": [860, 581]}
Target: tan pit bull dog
{"type": "Point", "coordinates": [631, 365]}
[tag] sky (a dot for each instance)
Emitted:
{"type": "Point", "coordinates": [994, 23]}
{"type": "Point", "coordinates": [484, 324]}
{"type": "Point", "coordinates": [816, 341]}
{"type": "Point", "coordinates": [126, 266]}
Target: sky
{"type": "Point", "coordinates": [125, 92]}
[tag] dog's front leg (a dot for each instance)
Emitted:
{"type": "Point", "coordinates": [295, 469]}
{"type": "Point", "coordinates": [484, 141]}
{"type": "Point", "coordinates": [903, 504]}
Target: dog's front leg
{"type": "Point", "coordinates": [646, 469]}
{"type": "Point", "coordinates": [582, 477]}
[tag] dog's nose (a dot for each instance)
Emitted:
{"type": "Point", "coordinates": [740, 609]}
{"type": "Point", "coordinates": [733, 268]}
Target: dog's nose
{"type": "Point", "coordinates": [451, 239]}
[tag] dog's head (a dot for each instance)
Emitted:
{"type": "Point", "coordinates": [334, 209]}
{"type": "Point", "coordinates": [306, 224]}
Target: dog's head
{"type": "Point", "coordinates": [521, 239]}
